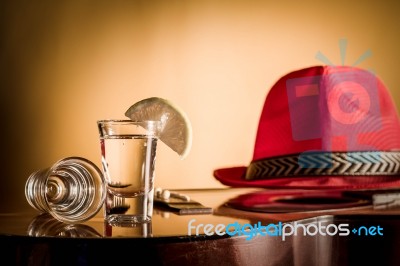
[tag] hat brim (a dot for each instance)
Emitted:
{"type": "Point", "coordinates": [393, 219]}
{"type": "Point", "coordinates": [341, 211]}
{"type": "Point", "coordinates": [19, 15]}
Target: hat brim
{"type": "Point", "coordinates": [235, 177]}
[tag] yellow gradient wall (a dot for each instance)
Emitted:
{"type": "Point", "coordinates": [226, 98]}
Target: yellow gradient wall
{"type": "Point", "coordinates": [67, 64]}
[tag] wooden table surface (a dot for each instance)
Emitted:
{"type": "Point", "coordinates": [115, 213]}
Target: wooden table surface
{"type": "Point", "coordinates": [33, 239]}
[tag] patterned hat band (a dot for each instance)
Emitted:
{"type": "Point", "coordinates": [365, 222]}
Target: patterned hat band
{"type": "Point", "coordinates": [360, 163]}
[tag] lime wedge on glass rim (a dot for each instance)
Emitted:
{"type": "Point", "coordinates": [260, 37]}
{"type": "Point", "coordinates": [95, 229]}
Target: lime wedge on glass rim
{"type": "Point", "coordinates": [176, 129]}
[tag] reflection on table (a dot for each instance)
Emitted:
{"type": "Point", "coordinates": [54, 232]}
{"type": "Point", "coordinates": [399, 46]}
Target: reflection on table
{"type": "Point", "coordinates": [32, 238]}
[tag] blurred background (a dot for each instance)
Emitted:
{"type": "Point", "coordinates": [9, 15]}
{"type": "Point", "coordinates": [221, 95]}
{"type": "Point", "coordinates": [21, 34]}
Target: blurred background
{"type": "Point", "coordinates": [66, 64]}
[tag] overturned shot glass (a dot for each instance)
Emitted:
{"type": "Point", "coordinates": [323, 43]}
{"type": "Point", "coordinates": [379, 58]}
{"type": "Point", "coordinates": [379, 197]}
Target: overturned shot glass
{"type": "Point", "coordinates": [72, 190]}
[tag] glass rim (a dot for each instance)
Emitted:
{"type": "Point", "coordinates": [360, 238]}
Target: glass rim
{"type": "Point", "coordinates": [119, 127]}
{"type": "Point", "coordinates": [126, 121]}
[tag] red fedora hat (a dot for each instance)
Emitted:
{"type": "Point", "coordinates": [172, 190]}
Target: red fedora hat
{"type": "Point", "coordinates": [324, 127]}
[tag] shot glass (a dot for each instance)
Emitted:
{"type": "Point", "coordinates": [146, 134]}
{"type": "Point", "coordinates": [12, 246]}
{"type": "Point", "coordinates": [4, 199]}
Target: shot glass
{"type": "Point", "coordinates": [128, 153]}
{"type": "Point", "coordinates": [72, 190]}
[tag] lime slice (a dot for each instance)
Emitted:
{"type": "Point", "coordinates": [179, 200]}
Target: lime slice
{"type": "Point", "coordinates": [176, 130]}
